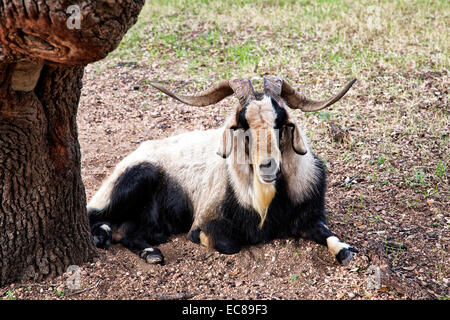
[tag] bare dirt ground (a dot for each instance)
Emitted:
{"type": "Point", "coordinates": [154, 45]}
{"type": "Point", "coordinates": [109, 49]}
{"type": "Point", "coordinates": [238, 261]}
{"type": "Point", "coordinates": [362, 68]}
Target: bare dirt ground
{"type": "Point", "coordinates": [112, 123]}
{"type": "Point", "coordinates": [385, 145]}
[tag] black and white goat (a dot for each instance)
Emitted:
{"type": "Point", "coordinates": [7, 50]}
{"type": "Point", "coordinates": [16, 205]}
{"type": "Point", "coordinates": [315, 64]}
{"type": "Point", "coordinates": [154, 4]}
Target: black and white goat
{"type": "Point", "coordinates": [251, 181]}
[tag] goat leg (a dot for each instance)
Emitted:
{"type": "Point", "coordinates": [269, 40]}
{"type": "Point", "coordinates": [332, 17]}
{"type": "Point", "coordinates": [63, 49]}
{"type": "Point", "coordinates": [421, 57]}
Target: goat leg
{"type": "Point", "coordinates": [320, 233]}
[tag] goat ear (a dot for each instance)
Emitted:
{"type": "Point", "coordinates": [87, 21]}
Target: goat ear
{"type": "Point", "coordinates": [296, 138]}
{"type": "Point", "coordinates": [226, 144]}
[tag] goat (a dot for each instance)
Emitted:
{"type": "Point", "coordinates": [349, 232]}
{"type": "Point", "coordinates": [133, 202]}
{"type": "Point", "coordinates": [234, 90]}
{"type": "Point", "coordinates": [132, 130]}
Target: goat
{"type": "Point", "coordinates": [253, 180]}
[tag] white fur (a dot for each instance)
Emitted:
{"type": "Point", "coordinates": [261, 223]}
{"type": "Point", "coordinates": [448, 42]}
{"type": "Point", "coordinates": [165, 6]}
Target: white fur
{"type": "Point", "coordinates": [105, 227]}
{"type": "Point", "coordinates": [190, 159]}
{"type": "Point", "coordinates": [335, 245]}
{"type": "Point", "coordinates": [300, 172]}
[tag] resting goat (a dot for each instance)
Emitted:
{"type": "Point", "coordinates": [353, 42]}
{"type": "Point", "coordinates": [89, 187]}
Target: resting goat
{"type": "Point", "coordinates": [251, 181]}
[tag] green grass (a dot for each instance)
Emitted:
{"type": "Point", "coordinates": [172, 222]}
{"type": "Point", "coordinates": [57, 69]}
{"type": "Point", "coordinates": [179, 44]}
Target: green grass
{"type": "Point", "coordinates": [343, 37]}
{"type": "Point", "coordinates": [441, 169]}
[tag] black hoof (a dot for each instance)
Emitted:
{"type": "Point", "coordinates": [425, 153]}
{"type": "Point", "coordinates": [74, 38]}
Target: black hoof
{"type": "Point", "coordinates": [345, 255]}
{"type": "Point", "coordinates": [226, 246]}
{"type": "Point", "coordinates": [194, 236]}
{"type": "Point", "coordinates": [152, 255]}
{"type": "Point", "coordinates": [102, 234]}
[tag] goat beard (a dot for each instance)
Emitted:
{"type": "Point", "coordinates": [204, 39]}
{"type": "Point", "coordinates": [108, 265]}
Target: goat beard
{"type": "Point", "coordinates": [262, 197]}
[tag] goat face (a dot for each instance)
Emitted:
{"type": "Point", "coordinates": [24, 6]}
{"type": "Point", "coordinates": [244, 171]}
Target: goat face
{"type": "Point", "coordinates": [255, 140]}
{"type": "Point", "coordinates": [254, 135]}
{"type": "Point", "coordinates": [258, 132]}
{"type": "Point", "coordinates": [252, 148]}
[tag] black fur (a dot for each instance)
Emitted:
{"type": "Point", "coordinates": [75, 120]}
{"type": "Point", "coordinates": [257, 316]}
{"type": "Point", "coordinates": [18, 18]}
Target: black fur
{"type": "Point", "coordinates": [150, 203]}
{"type": "Point", "coordinates": [281, 114]}
{"type": "Point", "coordinates": [242, 120]}
{"type": "Point", "coordinates": [102, 238]}
{"type": "Point", "coordinates": [239, 226]}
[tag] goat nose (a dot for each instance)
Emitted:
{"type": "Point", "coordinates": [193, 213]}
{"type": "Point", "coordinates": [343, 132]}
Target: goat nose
{"type": "Point", "coordinates": [269, 170]}
{"type": "Point", "coordinates": [268, 164]}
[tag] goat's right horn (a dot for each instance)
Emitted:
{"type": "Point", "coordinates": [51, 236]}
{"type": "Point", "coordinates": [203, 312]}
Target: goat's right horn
{"type": "Point", "coordinates": [242, 88]}
{"type": "Point", "coordinates": [296, 100]}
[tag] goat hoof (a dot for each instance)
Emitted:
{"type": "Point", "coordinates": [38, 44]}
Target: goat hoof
{"type": "Point", "coordinates": [345, 255]}
{"type": "Point", "coordinates": [227, 247]}
{"type": "Point", "coordinates": [152, 256]}
{"type": "Point", "coordinates": [102, 235]}
{"type": "Point", "coordinates": [194, 235]}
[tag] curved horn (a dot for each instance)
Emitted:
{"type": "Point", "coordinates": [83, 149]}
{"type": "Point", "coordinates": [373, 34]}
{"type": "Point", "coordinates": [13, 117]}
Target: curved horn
{"type": "Point", "coordinates": [296, 100]}
{"type": "Point", "coordinates": [242, 88]}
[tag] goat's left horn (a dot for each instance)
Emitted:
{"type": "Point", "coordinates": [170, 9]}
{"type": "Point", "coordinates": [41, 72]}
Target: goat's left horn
{"type": "Point", "coordinates": [242, 88]}
{"type": "Point", "coordinates": [296, 100]}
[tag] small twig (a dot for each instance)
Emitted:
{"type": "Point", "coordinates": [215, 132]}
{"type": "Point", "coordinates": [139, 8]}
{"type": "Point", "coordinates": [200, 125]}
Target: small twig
{"type": "Point", "coordinates": [209, 255]}
{"type": "Point", "coordinates": [84, 290]}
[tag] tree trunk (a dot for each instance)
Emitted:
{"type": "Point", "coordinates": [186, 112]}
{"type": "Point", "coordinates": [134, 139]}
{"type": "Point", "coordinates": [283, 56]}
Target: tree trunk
{"type": "Point", "coordinates": [44, 46]}
{"type": "Point", "coordinates": [42, 198]}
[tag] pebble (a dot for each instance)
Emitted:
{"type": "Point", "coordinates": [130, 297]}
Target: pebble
{"type": "Point", "coordinates": [163, 126]}
{"type": "Point", "coordinates": [176, 276]}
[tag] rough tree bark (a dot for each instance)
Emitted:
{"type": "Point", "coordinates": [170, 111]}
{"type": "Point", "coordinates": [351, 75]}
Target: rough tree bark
{"type": "Point", "coordinates": [43, 221]}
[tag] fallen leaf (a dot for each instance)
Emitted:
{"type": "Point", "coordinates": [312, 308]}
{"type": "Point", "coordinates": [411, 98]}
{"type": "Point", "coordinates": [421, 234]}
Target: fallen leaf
{"type": "Point", "coordinates": [383, 290]}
